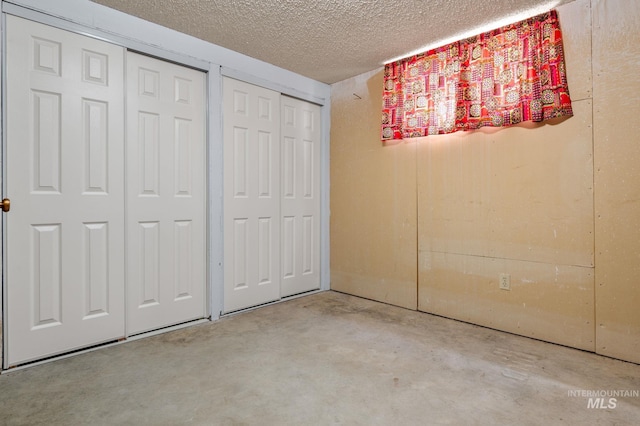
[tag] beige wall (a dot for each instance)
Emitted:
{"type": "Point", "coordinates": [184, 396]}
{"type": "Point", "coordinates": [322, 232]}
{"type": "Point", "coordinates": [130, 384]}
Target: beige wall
{"type": "Point", "coordinates": [373, 199]}
{"type": "Point", "coordinates": [616, 100]}
{"type": "Point", "coordinates": [517, 201]}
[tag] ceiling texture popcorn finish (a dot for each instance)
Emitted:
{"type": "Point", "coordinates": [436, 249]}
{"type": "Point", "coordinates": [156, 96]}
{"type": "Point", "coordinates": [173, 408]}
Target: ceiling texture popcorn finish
{"type": "Point", "coordinates": [331, 40]}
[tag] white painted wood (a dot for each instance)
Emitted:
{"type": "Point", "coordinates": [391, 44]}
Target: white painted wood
{"type": "Point", "coordinates": [216, 195]}
{"type": "Point", "coordinates": [300, 196]}
{"type": "Point", "coordinates": [64, 160]}
{"type": "Point", "coordinates": [251, 195]}
{"type": "Point", "coordinates": [166, 182]}
{"type": "Point", "coordinates": [325, 208]}
{"type": "Point", "coordinates": [92, 19]}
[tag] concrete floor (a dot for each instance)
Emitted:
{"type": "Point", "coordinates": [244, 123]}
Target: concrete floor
{"type": "Point", "coordinates": [323, 359]}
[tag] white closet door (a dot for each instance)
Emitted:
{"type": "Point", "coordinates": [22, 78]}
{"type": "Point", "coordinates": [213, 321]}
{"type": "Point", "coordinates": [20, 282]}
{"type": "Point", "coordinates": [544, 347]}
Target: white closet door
{"type": "Point", "coordinates": [300, 196]}
{"type": "Point", "coordinates": [251, 195]}
{"type": "Point", "coordinates": [166, 179]}
{"type": "Point", "coordinates": [64, 159]}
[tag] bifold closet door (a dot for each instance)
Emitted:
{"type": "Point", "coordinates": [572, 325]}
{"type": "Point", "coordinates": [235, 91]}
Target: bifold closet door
{"type": "Point", "coordinates": [64, 164]}
{"type": "Point", "coordinates": [166, 182]}
{"type": "Point", "coordinates": [300, 196]}
{"type": "Point", "coordinates": [251, 195]}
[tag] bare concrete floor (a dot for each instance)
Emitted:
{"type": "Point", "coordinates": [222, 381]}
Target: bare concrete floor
{"type": "Point", "coordinates": [324, 359]}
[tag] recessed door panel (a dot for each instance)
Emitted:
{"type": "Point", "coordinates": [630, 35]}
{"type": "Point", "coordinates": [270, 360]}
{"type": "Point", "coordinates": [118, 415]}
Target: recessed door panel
{"type": "Point", "coordinates": [240, 161]}
{"type": "Point", "coordinates": [95, 134]}
{"type": "Point", "coordinates": [46, 280]}
{"type": "Point", "coordinates": [96, 269]}
{"type": "Point", "coordinates": [182, 157]}
{"type": "Point", "coordinates": [148, 279]}
{"type": "Point", "coordinates": [289, 167]}
{"type": "Point", "coordinates": [288, 247]}
{"type": "Point", "coordinates": [183, 258]}
{"type": "Point", "coordinates": [148, 138]}
{"type": "Point", "coordinates": [308, 245]}
{"type": "Point", "coordinates": [46, 123]}
{"type": "Point", "coordinates": [240, 256]}
{"type": "Point", "coordinates": [265, 242]}
{"type": "Point", "coordinates": [265, 164]}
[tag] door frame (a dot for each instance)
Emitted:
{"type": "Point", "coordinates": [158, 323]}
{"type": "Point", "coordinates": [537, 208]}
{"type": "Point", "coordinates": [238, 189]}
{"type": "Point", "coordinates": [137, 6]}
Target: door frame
{"type": "Point", "coordinates": [132, 33]}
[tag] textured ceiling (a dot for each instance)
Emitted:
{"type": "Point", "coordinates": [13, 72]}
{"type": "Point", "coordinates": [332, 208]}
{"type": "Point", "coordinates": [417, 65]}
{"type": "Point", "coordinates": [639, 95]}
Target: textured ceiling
{"type": "Point", "coordinates": [331, 40]}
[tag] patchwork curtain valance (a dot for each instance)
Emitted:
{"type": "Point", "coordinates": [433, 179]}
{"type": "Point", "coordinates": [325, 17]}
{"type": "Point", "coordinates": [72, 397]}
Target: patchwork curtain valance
{"type": "Point", "coordinates": [499, 78]}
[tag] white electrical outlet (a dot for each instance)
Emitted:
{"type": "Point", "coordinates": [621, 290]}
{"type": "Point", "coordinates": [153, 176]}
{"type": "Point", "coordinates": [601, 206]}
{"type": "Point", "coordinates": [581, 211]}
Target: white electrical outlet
{"type": "Point", "coordinates": [505, 282]}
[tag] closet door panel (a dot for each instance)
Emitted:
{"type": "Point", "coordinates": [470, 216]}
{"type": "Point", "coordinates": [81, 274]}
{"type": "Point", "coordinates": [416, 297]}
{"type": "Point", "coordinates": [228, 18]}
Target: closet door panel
{"type": "Point", "coordinates": [64, 272]}
{"type": "Point", "coordinates": [251, 195]}
{"type": "Point", "coordinates": [300, 197]}
{"type": "Point", "coordinates": [166, 182]}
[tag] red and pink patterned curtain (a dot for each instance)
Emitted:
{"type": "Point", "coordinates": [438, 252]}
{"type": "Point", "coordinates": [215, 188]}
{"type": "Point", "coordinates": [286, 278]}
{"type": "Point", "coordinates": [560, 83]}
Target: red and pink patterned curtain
{"type": "Point", "coordinates": [499, 78]}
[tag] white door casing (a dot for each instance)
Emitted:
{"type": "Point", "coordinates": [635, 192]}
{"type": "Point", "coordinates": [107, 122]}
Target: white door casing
{"type": "Point", "coordinates": [166, 183]}
{"type": "Point", "coordinates": [251, 195]}
{"type": "Point", "coordinates": [300, 196]}
{"type": "Point", "coordinates": [64, 161]}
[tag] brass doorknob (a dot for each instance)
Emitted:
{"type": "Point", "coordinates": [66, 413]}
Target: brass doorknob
{"type": "Point", "coordinates": [5, 205]}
